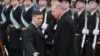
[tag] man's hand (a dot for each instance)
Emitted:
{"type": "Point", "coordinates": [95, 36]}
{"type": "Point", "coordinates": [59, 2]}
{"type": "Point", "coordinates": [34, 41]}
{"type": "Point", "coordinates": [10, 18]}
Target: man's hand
{"type": "Point", "coordinates": [35, 54]}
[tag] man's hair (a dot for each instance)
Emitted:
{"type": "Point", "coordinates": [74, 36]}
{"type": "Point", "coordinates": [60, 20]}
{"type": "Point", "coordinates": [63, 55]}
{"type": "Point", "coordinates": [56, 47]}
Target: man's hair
{"type": "Point", "coordinates": [36, 12]}
{"type": "Point", "coordinates": [58, 5]}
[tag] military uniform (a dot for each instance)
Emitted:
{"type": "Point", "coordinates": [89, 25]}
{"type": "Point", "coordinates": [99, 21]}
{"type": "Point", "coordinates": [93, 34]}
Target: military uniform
{"type": "Point", "coordinates": [15, 32]}
{"type": "Point", "coordinates": [4, 23]}
{"type": "Point", "coordinates": [79, 24]}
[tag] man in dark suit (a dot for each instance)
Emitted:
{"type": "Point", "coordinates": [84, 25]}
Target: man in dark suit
{"type": "Point", "coordinates": [34, 40]}
{"type": "Point", "coordinates": [79, 18]}
{"type": "Point", "coordinates": [64, 38]}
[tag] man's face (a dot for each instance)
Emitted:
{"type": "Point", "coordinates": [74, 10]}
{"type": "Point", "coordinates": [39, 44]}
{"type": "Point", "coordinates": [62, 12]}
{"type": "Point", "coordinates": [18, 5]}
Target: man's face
{"type": "Point", "coordinates": [14, 2]}
{"type": "Point", "coordinates": [42, 2]}
{"type": "Point", "coordinates": [7, 1]}
{"type": "Point", "coordinates": [53, 2]}
{"type": "Point", "coordinates": [27, 2]}
{"type": "Point", "coordinates": [37, 19]}
{"type": "Point", "coordinates": [55, 12]}
{"type": "Point", "coordinates": [92, 5]}
{"type": "Point", "coordinates": [79, 5]}
{"type": "Point", "coordinates": [65, 4]}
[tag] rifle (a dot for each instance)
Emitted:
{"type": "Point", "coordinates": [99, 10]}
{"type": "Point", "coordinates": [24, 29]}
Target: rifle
{"type": "Point", "coordinates": [45, 20]}
{"type": "Point", "coordinates": [72, 9]}
{"type": "Point", "coordinates": [84, 35]}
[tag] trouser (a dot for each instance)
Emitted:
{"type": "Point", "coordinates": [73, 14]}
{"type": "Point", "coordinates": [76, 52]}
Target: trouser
{"type": "Point", "coordinates": [88, 50]}
{"type": "Point", "coordinates": [79, 41]}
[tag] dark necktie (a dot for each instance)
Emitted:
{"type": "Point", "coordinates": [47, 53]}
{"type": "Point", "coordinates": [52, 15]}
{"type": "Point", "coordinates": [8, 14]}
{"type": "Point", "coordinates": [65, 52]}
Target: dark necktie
{"type": "Point", "coordinates": [39, 29]}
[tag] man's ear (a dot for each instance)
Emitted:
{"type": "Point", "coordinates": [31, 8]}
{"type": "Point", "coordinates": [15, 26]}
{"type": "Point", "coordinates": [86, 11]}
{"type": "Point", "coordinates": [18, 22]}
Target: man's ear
{"type": "Point", "coordinates": [32, 17]}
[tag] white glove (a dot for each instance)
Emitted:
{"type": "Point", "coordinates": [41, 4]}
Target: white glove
{"type": "Point", "coordinates": [35, 54]}
{"type": "Point", "coordinates": [44, 26]}
{"type": "Point", "coordinates": [85, 31]}
{"type": "Point", "coordinates": [96, 31]}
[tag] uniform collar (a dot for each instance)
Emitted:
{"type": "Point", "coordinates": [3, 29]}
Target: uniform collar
{"type": "Point", "coordinates": [93, 12]}
{"type": "Point", "coordinates": [7, 6]}
{"type": "Point", "coordinates": [27, 8]}
{"type": "Point", "coordinates": [41, 9]}
{"type": "Point", "coordinates": [14, 8]}
{"type": "Point", "coordinates": [79, 12]}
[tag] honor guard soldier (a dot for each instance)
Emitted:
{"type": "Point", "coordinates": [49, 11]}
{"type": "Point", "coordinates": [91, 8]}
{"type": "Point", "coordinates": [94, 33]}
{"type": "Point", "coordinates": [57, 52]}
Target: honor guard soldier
{"type": "Point", "coordinates": [43, 9]}
{"type": "Point", "coordinates": [14, 29]}
{"type": "Point", "coordinates": [91, 29]}
{"type": "Point", "coordinates": [26, 13]}
{"type": "Point", "coordinates": [66, 4]}
{"type": "Point", "coordinates": [42, 5]}
{"type": "Point", "coordinates": [5, 16]}
{"type": "Point", "coordinates": [49, 24]}
{"type": "Point", "coordinates": [26, 16]}
{"type": "Point", "coordinates": [79, 18]}
{"type": "Point", "coordinates": [98, 38]}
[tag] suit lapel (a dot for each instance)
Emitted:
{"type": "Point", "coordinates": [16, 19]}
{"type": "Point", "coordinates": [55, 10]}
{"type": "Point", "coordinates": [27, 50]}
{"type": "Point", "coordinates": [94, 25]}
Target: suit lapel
{"type": "Point", "coordinates": [36, 30]}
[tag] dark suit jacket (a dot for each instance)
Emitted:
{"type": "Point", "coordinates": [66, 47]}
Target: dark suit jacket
{"type": "Point", "coordinates": [79, 22]}
{"type": "Point", "coordinates": [33, 41]}
{"type": "Point", "coordinates": [64, 42]}
{"type": "Point", "coordinates": [69, 12]}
